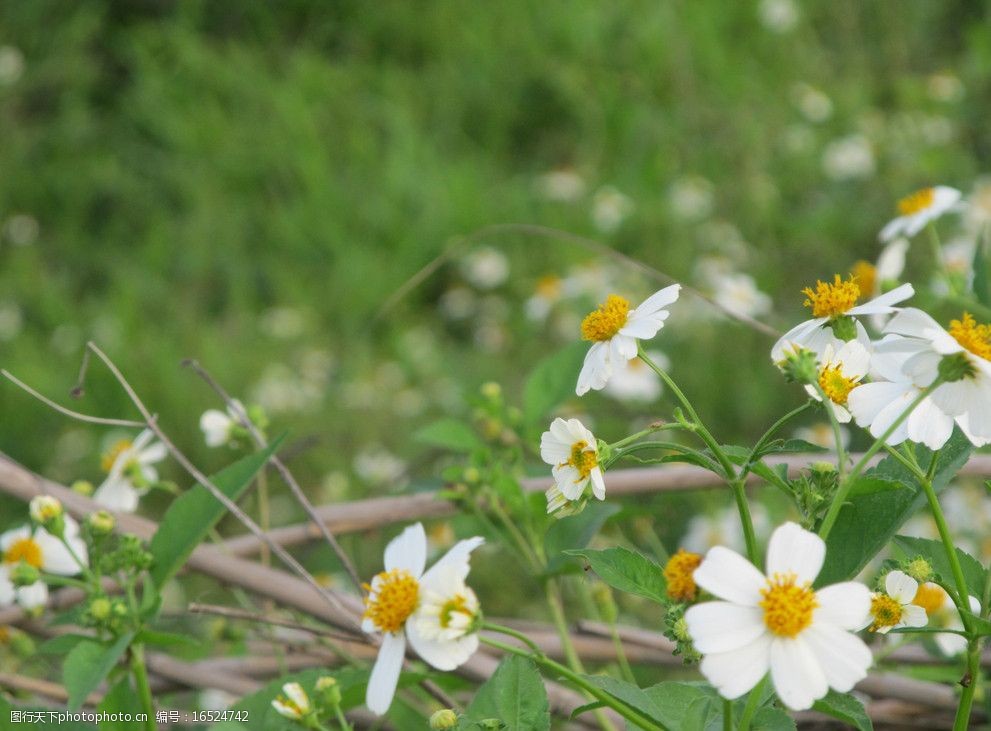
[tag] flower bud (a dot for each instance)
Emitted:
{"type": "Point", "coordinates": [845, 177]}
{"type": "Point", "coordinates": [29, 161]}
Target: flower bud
{"type": "Point", "coordinates": [800, 365]}
{"type": "Point", "coordinates": [329, 690]}
{"type": "Point", "coordinates": [491, 390]}
{"type": "Point", "coordinates": [47, 512]}
{"type": "Point", "coordinates": [101, 523]}
{"type": "Point", "coordinates": [919, 569]}
{"type": "Point", "coordinates": [443, 720]}
{"type": "Point", "coordinates": [83, 487]}
{"type": "Point", "coordinates": [293, 703]}
{"type": "Point", "coordinates": [24, 574]}
{"type": "Point", "coordinates": [844, 327]}
{"type": "Point", "coordinates": [100, 609]}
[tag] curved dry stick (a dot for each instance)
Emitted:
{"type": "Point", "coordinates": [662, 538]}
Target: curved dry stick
{"type": "Point", "coordinates": [69, 412]}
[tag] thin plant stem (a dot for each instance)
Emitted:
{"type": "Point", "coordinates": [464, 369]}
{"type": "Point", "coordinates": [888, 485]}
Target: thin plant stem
{"type": "Point", "coordinates": [753, 702]}
{"type": "Point", "coordinates": [140, 671]}
{"type": "Point", "coordinates": [345, 726]}
{"type": "Point", "coordinates": [621, 659]}
{"type": "Point", "coordinates": [69, 412]}
{"type": "Point", "coordinates": [827, 405]}
{"type": "Point", "coordinates": [746, 519]}
{"type": "Point", "coordinates": [727, 715]}
{"type": "Point", "coordinates": [937, 252]}
{"type": "Point", "coordinates": [775, 427]}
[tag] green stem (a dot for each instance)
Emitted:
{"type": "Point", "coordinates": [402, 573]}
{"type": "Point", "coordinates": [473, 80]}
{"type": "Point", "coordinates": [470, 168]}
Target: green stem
{"type": "Point", "coordinates": [645, 432]}
{"type": "Point", "coordinates": [962, 720]}
{"type": "Point", "coordinates": [749, 534]}
{"type": "Point", "coordinates": [627, 712]}
{"type": "Point", "coordinates": [521, 542]}
{"type": "Point", "coordinates": [727, 715]}
{"type": "Point", "coordinates": [510, 632]}
{"type": "Point", "coordinates": [775, 427]}
{"type": "Point", "coordinates": [672, 446]}
{"type": "Point", "coordinates": [827, 405]}
{"type": "Point", "coordinates": [753, 701]}
{"type": "Point", "coordinates": [844, 489]}
{"type": "Point", "coordinates": [624, 663]}
{"type": "Point", "coordinates": [140, 673]}
{"type": "Point", "coordinates": [345, 726]}
{"type": "Point", "coordinates": [937, 252]}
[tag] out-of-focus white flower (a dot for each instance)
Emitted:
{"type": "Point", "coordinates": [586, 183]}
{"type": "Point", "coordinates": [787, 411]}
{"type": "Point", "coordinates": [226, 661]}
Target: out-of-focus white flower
{"type": "Point", "coordinates": [458, 303]}
{"type": "Point", "coordinates": [821, 434]}
{"type": "Point", "coordinates": [45, 509]}
{"type": "Point", "coordinates": [978, 210]}
{"type": "Point", "coordinates": [848, 158]}
{"type": "Point", "coordinates": [893, 607]}
{"type": "Point", "coordinates": [546, 294]}
{"type": "Point", "coordinates": [738, 292]}
{"type": "Point", "coordinates": [11, 321]}
{"type": "Point", "coordinates": [814, 105]}
{"type": "Point", "coordinates": [779, 16]}
{"type": "Point", "coordinates": [610, 208]}
{"type": "Point", "coordinates": [614, 330]}
{"type": "Point", "coordinates": [945, 615]}
{"type": "Point", "coordinates": [945, 87]}
{"type": "Point", "coordinates": [841, 368]}
{"type": "Point", "coordinates": [564, 185]}
{"type": "Point", "coordinates": [131, 472]}
{"type": "Point", "coordinates": [691, 197]}
{"type": "Point", "coordinates": [294, 703]}
{"type": "Point", "coordinates": [282, 322]}
{"type": "Point", "coordinates": [39, 549]}
{"type": "Point", "coordinates": [776, 622]}
{"type": "Point", "coordinates": [213, 699]}
{"type": "Point", "coordinates": [722, 528]}
{"type": "Point", "coordinates": [21, 229]}
{"type": "Point", "coordinates": [918, 209]}
{"type": "Point", "coordinates": [485, 267]}
{"type": "Point", "coordinates": [634, 381]}
{"type": "Point", "coordinates": [434, 610]}
{"type": "Point", "coordinates": [281, 390]}
{"type": "Point", "coordinates": [378, 466]}
{"type": "Point", "coordinates": [218, 426]}
{"type": "Point", "coordinates": [573, 452]}
{"type": "Point", "coordinates": [11, 65]}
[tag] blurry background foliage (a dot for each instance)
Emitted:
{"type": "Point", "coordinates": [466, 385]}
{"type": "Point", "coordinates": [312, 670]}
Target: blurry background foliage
{"type": "Point", "coordinates": [246, 183]}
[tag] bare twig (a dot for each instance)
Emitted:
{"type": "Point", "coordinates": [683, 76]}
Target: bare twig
{"type": "Point", "coordinates": [280, 466]}
{"type": "Point", "coordinates": [69, 412]}
{"type": "Point", "coordinates": [242, 614]}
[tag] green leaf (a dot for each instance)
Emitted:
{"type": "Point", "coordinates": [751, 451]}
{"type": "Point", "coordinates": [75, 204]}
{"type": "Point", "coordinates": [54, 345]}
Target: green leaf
{"type": "Point", "coordinates": [787, 446]}
{"type": "Point", "coordinates": [61, 645]}
{"type": "Point", "coordinates": [574, 532]}
{"type": "Point", "coordinates": [165, 639]}
{"type": "Point", "coordinates": [449, 434]}
{"type": "Point", "coordinates": [868, 521]}
{"type": "Point", "coordinates": [552, 382]}
{"type": "Point", "coordinates": [935, 553]}
{"type": "Point", "coordinates": [669, 703]}
{"type": "Point", "coordinates": [627, 571]}
{"type": "Point", "coordinates": [772, 719]}
{"type": "Point", "coordinates": [192, 515]}
{"type": "Point", "coordinates": [88, 664]}
{"type": "Point", "coordinates": [868, 485]}
{"type": "Point", "coordinates": [846, 708]}
{"type": "Point", "coordinates": [515, 695]}
{"type": "Point", "coordinates": [121, 699]}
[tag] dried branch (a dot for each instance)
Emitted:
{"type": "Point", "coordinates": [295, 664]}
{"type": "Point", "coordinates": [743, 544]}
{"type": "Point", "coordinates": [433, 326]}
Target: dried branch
{"type": "Point", "coordinates": [69, 412]}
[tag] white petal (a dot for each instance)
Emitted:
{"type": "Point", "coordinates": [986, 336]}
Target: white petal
{"type": "Point", "coordinates": [893, 228]}
{"type": "Point", "coordinates": [723, 626]}
{"type": "Point", "coordinates": [927, 424]}
{"type": "Point", "coordinates": [866, 401]}
{"type": "Point", "coordinates": [794, 550]}
{"type": "Point", "coordinates": [456, 560]}
{"type": "Point", "coordinates": [13, 536]}
{"type": "Point", "coordinates": [442, 654]}
{"type": "Point", "coordinates": [7, 590]}
{"type": "Point", "coordinates": [728, 575]}
{"type": "Point", "coordinates": [734, 673]}
{"type": "Point", "coordinates": [34, 595]}
{"type": "Point", "coordinates": [913, 616]}
{"type": "Point", "coordinates": [598, 483]}
{"type": "Point", "coordinates": [843, 657]}
{"type": "Point", "coordinates": [659, 300]}
{"type": "Point", "coordinates": [900, 586]}
{"type": "Point", "coordinates": [595, 371]}
{"type": "Point", "coordinates": [846, 605]}
{"type": "Point", "coordinates": [117, 494]}
{"type": "Point", "coordinates": [154, 453]}
{"type": "Point", "coordinates": [884, 303]}
{"type": "Point", "coordinates": [385, 675]}
{"type": "Point", "coordinates": [643, 326]}
{"type": "Point", "coordinates": [950, 644]}
{"type": "Point", "coordinates": [55, 557]}
{"type": "Point", "coordinates": [407, 551]}
{"type": "Point", "coordinates": [798, 678]}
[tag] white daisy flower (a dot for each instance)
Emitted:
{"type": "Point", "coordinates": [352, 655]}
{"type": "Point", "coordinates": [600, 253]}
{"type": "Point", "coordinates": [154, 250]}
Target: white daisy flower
{"type": "Point", "coordinates": [40, 549]}
{"type": "Point", "coordinates": [293, 703]}
{"type": "Point", "coordinates": [218, 426]}
{"type": "Point", "coordinates": [918, 209]}
{"type": "Point", "coordinates": [894, 607]}
{"type": "Point", "coordinates": [841, 368]}
{"type": "Point", "coordinates": [635, 381]}
{"type": "Point", "coordinates": [574, 453]}
{"type": "Point", "coordinates": [403, 603]}
{"type": "Point", "coordinates": [614, 330]}
{"type": "Point", "coordinates": [778, 623]}
{"type": "Point", "coordinates": [830, 304]}
{"type": "Point", "coordinates": [943, 613]}
{"type": "Point", "coordinates": [131, 472]}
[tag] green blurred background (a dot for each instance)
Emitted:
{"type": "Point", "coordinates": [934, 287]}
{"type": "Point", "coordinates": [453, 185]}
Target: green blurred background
{"type": "Point", "coordinates": [247, 183]}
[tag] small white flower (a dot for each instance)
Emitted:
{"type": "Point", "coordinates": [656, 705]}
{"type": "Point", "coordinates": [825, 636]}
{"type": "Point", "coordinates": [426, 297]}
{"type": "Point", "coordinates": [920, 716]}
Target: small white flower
{"type": "Point", "coordinates": [634, 381]}
{"type": "Point", "coordinates": [45, 508]}
{"type": "Point", "coordinates": [691, 197]}
{"type": "Point", "coordinates": [131, 472]}
{"type": "Point", "coordinates": [614, 330]}
{"type": "Point", "coordinates": [40, 549]}
{"type": "Point", "coordinates": [574, 453]}
{"type": "Point", "coordinates": [919, 209]}
{"type": "Point", "coordinates": [778, 623]}
{"type": "Point", "coordinates": [841, 368]}
{"type": "Point", "coordinates": [738, 292]}
{"type": "Point", "coordinates": [218, 426]}
{"type": "Point", "coordinates": [564, 185]}
{"type": "Point", "coordinates": [848, 158]}
{"type": "Point", "coordinates": [294, 703]}
{"type": "Point", "coordinates": [433, 609]}
{"type": "Point", "coordinates": [485, 267]}
{"type": "Point", "coordinates": [943, 613]}
{"type": "Point", "coordinates": [610, 208]}
{"type": "Point", "coordinates": [893, 608]}
{"type": "Point", "coordinates": [779, 16]}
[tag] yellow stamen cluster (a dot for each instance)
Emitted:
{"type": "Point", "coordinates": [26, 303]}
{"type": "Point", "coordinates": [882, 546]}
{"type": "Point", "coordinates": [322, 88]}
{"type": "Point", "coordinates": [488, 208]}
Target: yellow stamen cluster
{"type": "Point", "coordinates": [457, 605]}
{"type": "Point", "coordinates": [291, 709]}
{"type": "Point", "coordinates": [930, 597]}
{"type": "Point", "coordinates": [865, 275]}
{"type": "Point", "coordinates": [678, 574]}
{"type": "Point", "coordinates": [111, 455]}
{"type": "Point", "coordinates": [393, 600]}
{"type": "Point", "coordinates": [886, 610]}
{"type": "Point", "coordinates": [832, 300]}
{"type": "Point", "coordinates": [920, 200]}
{"type": "Point", "coordinates": [26, 550]}
{"type": "Point", "coordinates": [603, 324]}
{"type": "Point", "coordinates": [582, 459]}
{"type": "Point", "coordinates": [835, 385]}
{"type": "Point", "coordinates": [973, 336]}
{"type": "Point", "coordinates": [788, 607]}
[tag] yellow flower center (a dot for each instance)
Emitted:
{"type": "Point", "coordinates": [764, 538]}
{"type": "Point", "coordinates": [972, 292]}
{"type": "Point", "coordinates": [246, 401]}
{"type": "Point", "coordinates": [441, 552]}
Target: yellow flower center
{"type": "Point", "coordinates": [920, 200]}
{"type": "Point", "coordinates": [832, 300]}
{"type": "Point", "coordinates": [972, 336]}
{"type": "Point", "coordinates": [678, 574]}
{"type": "Point", "coordinates": [582, 459]}
{"type": "Point", "coordinates": [930, 597]}
{"type": "Point", "coordinates": [835, 385]}
{"type": "Point", "coordinates": [886, 610]}
{"type": "Point", "coordinates": [603, 324]}
{"type": "Point", "coordinates": [291, 705]}
{"type": "Point", "coordinates": [26, 550]}
{"type": "Point", "coordinates": [111, 455]}
{"type": "Point", "coordinates": [788, 607]}
{"type": "Point", "coordinates": [865, 275]}
{"type": "Point", "coordinates": [549, 286]}
{"type": "Point", "coordinates": [457, 605]}
{"type": "Point", "coordinates": [391, 603]}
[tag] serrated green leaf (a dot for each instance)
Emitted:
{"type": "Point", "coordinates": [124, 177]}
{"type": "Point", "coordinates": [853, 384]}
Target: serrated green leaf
{"type": "Point", "coordinates": [552, 382]}
{"type": "Point", "coordinates": [450, 434]}
{"type": "Point", "coordinates": [935, 553]}
{"type": "Point", "coordinates": [88, 664]}
{"type": "Point", "coordinates": [669, 703]}
{"type": "Point", "coordinates": [627, 571]}
{"type": "Point", "coordinates": [846, 708]}
{"type": "Point", "coordinates": [574, 532]}
{"type": "Point", "coordinates": [515, 695]}
{"type": "Point", "coordinates": [120, 699]}
{"type": "Point", "coordinates": [772, 719]}
{"type": "Point", "coordinates": [193, 514]}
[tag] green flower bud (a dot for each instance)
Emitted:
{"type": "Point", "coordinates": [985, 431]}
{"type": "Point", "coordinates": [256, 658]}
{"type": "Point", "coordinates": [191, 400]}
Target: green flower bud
{"type": "Point", "coordinates": [472, 475]}
{"type": "Point", "coordinates": [47, 512]}
{"type": "Point", "coordinates": [22, 644]}
{"type": "Point", "coordinates": [83, 487]}
{"type": "Point", "coordinates": [443, 720]}
{"type": "Point", "coordinates": [329, 691]}
{"type": "Point", "coordinates": [919, 569]}
{"type": "Point", "coordinates": [800, 366]}
{"type": "Point", "coordinates": [845, 328]}
{"type": "Point", "coordinates": [101, 523]}
{"type": "Point", "coordinates": [491, 390]}
{"type": "Point", "coordinates": [100, 609]}
{"type": "Point", "coordinates": [24, 574]}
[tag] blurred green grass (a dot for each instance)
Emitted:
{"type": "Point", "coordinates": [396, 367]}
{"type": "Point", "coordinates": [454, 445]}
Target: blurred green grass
{"type": "Point", "coordinates": [199, 170]}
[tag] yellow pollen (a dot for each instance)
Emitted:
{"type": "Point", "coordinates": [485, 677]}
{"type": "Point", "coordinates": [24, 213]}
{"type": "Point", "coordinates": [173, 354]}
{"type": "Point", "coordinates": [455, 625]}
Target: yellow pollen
{"type": "Point", "coordinates": [788, 607]}
{"type": "Point", "coordinates": [393, 600]}
{"type": "Point", "coordinates": [459, 605]}
{"type": "Point", "coordinates": [111, 455]}
{"type": "Point", "coordinates": [972, 336]}
{"type": "Point", "coordinates": [26, 550]}
{"type": "Point", "coordinates": [920, 200]}
{"type": "Point", "coordinates": [603, 324]}
{"type": "Point", "coordinates": [832, 300]}
{"type": "Point", "coordinates": [678, 574]}
{"type": "Point", "coordinates": [865, 275]}
{"type": "Point", "coordinates": [930, 597]}
{"type": "Point", "coordinates": [886, 610]}
{"type": "Point", "coordinates": [582, 459]}
{"type": "Point", "coordinates": [835, 385]}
